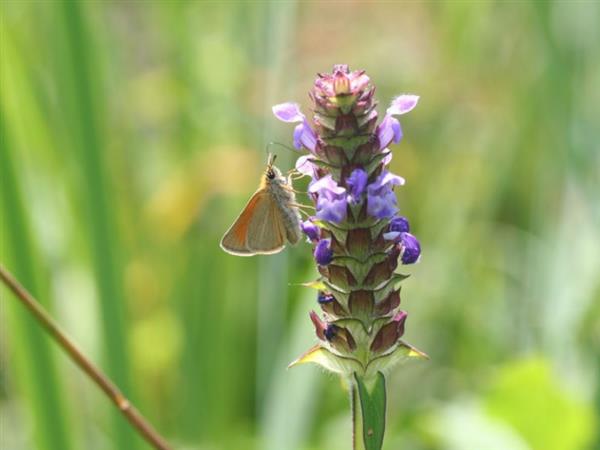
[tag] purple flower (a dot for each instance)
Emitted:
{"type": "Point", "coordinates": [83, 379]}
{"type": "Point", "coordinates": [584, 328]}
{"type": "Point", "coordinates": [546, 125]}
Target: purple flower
{"type": "Point", "coordinates": [331, 201]}
{"type": "Point", "coordinates": [312, 231]}
{"type": "Point", "coordinates": [323, 253]}
{"type": "Point", "coordinates": [387, 158]}
{"type": "Point", "coordinates": [324, 298]}
{"type": "Point", "coordinates": [403, 104]}
{"type": "Point", "coordinates": [306, 167]}
{"type": "Point", "coordinates": [389, 129]}
{"type": "Point", "coordinates": [305, 136]}
{"type": "Point", "coordinates": [288, 112]}
{"type": "Point", "coordinates": [398, 225]}
{"type": "Point", "coordinates": [411, 249]}
{"type": "Point", "coordinates": [330, 331]}
{"type": "Point", "coordinates": [381, 200]}
{"type": "Point", "coordinates": [357, 182]}
{"type": "Point", "coordinates": [303, 133]}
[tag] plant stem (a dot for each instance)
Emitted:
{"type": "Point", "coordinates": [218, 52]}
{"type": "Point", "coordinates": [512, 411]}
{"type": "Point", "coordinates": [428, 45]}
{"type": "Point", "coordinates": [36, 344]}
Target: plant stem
{"type": "Point", "coordinates": [356, 416]}
{"type": "Point", "coordinates": [102, 381]}
{"type": "Point", "coordinates": [353, 408]}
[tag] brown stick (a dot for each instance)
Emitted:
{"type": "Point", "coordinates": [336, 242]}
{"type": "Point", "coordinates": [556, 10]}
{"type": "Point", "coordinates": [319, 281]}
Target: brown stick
{"type": "Point", "coordinates": [129, 411]}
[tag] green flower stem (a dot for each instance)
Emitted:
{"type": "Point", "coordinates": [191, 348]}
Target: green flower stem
{"type": "Point", "coordinates": [356, 422]}
{"type": "Point", "coordinates": [368, 399]}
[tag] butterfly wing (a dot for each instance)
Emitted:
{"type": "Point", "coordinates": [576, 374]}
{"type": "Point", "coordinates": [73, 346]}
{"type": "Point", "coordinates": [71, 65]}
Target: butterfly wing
{"type": "Point", "coordinates": [266, 232]}
{"type": "Point", "coordinates": [257, 230]}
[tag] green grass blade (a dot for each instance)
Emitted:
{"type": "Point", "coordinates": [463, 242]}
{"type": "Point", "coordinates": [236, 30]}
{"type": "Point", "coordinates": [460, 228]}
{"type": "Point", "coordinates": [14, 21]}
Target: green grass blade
{"type": "Point", "coordinates": [103, 237]}
{"type": "Point", "coordinates": [34, 369]}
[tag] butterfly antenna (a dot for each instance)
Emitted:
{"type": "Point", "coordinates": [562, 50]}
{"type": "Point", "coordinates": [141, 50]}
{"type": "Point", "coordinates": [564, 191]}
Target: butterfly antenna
{"type": "Point", "coordinates": [271, 159]}
{"type": "Point", "coordinates": [281, 145]}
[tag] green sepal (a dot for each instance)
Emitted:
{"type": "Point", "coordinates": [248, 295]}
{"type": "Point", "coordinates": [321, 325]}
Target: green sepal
{"type": "Point", "coordinates": [400, 353]}
{"type": "Point", "coordinates": [363, 119]}
{"type": "Point", "coordinates": [335, 170]}
{"type": "Point", "coordinates": [326, 121]}
{"type": "Point", "coordinates": [328, 360]}
{"type": "Point", "coordinates": [343, 295]}
{"type": "Point", "coordinates": [381, 292]}
{"type": "Point", "coordinates": [340, 294]}
{"type": "Point", "coordinates": [339, 233]}
{"type": "Point", "coordinates": [377, 228]}
{"type": "Point", "coordinates": [317, 284]}
{"type": "Point", "coordinates": [348, 144]}
{"type": "Point", "coordinates": [345, 102]}
{"type": "Point", "coordinates": [395, 278]}
{"type": "Point", "coordinates": [372, 397]}
{"type": "Point", "coordinates": [375, 161]}
{"type": "Point", "coordinates": [360, 334]}
{"type": "Point", "coordinates": [360, 269]}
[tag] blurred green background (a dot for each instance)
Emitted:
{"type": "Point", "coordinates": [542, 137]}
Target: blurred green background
{"type": "Point", "coordinates": [133, 132]}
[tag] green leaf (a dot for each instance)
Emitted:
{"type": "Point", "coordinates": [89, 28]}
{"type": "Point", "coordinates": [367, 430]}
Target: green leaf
{"type": "Point", "coordinates": [372, 405]}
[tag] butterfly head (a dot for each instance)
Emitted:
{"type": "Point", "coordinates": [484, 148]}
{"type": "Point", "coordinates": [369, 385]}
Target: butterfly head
{"type": "Point", "coordinates": [272, 172]}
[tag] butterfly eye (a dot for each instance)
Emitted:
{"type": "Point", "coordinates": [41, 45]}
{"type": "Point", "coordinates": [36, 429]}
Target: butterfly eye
{"type": "Point", "coordinates": [270, 174]}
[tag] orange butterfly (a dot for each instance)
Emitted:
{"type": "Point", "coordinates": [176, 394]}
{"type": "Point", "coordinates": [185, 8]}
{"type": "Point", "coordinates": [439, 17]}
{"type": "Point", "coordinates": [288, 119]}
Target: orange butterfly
{"type": "Point", "coordinates": [269, 219]}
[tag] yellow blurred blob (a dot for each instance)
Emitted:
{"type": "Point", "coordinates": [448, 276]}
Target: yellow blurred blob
{"type": "Point", "coordinates": [156, 343]}
{"type": "Point", "coordinates": [180, 199]}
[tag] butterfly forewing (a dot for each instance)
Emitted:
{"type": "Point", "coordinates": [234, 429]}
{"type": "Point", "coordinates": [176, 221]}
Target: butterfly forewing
{"type": "Point", "coordinates": [235, 238]}
{"type": "Point", "coordinates": [266, 233]}
{"type": "Point", "coordinates": [258, 229]}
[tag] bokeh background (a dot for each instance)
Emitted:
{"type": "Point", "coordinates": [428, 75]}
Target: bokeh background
{"type": "Point", "coordinates": [133, 132]}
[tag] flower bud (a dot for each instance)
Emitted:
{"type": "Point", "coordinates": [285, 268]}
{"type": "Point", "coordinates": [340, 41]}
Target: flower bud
{"type": "Point", "coordinates": [399, 224]}
{"type": "Point", "coordinates": [323, 253]}
{"type": "Point", "coordinates": [312, 231]}
{"type": "Point", "coordinates": [341, 83]}
{"type": "Point", "coordinates": [411, 249]}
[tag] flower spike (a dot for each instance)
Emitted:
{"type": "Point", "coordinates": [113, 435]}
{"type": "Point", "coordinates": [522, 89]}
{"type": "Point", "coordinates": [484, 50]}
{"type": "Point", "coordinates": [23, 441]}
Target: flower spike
{"type": "Point", "coordinates": [358, 238]}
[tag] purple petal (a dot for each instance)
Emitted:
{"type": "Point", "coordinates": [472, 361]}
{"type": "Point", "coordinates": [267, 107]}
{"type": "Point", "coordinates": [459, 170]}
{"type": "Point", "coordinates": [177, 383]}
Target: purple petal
{"type": "Point", "coordinates": [312, 231]}
{"type": "Point", "coordinates": [388, 158]}
{"type": "Point", "coordinates": [357, 182]}
{"type": "Point", "coordinates": [403, 104]}
{"type": "Point", "coordinates": [330, 331]}
{"type": "Point", "coordinates": [382, 205]}
{"type": "Point", "coordinates": [307, 137]}
{"type": "Point", "coordinates": [387, 131]}
{"type": "Point", "coordinates": [323, 253]}
{"type": "Point", "coordinates": [397, 130]}
{"type": "Point", "coordinates": [389, 178]}
{"type": "Point", "coordinates": [392, 236]}
{"type": "Point", "coordinates": [411, 249]}
{"type": "Point", "coordinates": [399, 224]}
{"type": "Point", "coordinates": [326, 185]}
{"type": "Point", "coordinates": [305, 166]}
{"type": "Point", "coordinates": [323, 298]}
{"type": "Point", "coordinates": [382, 181]}
{"type": "Point", "coordinates": [288, 112]}
{"type": "Point", "coordinates": [333, 210]}
{"type": "Point", "coordinates": [298, 136]}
